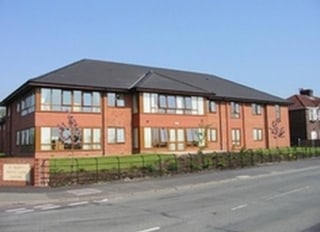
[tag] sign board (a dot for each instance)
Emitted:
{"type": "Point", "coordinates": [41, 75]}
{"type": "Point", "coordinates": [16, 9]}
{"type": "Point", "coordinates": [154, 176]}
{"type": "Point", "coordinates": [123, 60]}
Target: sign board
{"type": "Point", "coordinates": [16, 172]}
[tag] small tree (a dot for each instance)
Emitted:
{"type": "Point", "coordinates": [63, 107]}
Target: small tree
{"type": "Point", "coordinates": [70, 134]}
{"type": "Point", "coordinates": [277, 130]}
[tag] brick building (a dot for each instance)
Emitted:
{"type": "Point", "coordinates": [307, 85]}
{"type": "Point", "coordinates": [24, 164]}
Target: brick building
{"type": "Point", "coordinates": [304, 115]}
{"type": "Point", "coordinates": [127, 109]}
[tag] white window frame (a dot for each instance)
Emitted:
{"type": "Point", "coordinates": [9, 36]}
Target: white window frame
{"type": "Point", "coordinates": [257, 134]}
{"type": "Point", "coordinates": [212, 135]}
{"type": "Point", "coordinates": [235, 109]}
{"type": "Point", "coordinates": [256, 109]}
{"type": "Point", "coordinates": [277, 111]}
{"type": "Point", "coordinates": [313, 114]}
{"type": "Point", "coordinates": [116, 135]}
{"type": "Point", "coordinates": [236, 137]}
{"type": "Point", "coordinates": [212, 106]}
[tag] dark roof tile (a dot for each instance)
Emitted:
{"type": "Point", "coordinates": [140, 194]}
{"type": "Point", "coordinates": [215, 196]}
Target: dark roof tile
{"type": "Point", "coordinates": [124, 77]}
{"type": "Point", "coordinates": [303, 101]}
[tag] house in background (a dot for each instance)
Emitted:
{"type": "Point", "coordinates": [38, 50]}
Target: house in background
{"type": "Point", "coordinates": [126, 109]}
{"type": "Point", "coordinates": [304, 117]}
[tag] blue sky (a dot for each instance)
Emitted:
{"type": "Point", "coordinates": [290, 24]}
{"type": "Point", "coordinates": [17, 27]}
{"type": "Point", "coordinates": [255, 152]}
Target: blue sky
{"type": "Point", "coordinates": [270, 45]}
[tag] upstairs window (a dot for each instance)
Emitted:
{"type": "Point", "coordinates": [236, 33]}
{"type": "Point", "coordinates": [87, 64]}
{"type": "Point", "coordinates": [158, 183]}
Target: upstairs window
{"type": "Point", "coordinates": [91, 102]}
{"type": "Point", "coordinates": [172, 104]}
{"type": "Point", "coordinates": [27, 105]}
{"type": "Point", "coordinates": [171, 109]}
{"type": "Point", "coordinates": [68, 100]}
{"type": "Point", "coordinates": [256, 109]}
{"type": "Point", "coordinates": [188, 104]}
{"type": "Point", "coordinates": [212, 106]}
{"type": "Point", "coordinates": [116, 100]}
{"type": "Point", "coordinates": [277, 112]}
{"type": "Point", "coordinates": [135, 103]}
{"type": "Point", "coordinates": [235, 110]}
{"type": "Point", "coordinates": [313, 114]}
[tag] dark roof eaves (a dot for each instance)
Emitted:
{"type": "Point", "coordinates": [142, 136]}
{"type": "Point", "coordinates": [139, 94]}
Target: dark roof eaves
{"type": "Point", "coordinates": [79, 87]}
{"type": "Point", "coordinates": [247, 100]}
{"type": "Point", "coordinates": [19, 90]}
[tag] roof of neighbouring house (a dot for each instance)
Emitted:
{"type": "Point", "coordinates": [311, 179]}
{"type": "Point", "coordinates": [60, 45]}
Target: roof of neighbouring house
{"type": "Point", "coordinates": [301, 101]}
{"type": "Point", "coordinates": [107, 76]}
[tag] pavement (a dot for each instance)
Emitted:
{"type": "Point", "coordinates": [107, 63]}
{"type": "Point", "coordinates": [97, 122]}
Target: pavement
{"type": "Point", "coordinates": [13, 197]}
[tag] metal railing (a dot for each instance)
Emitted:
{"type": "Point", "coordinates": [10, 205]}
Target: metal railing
{"type": "Point", "coordinates": [92, 170]}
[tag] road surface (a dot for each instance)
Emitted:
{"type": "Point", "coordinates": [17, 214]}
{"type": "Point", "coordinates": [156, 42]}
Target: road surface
{"type": "Point", "coordinates": [275, 198]}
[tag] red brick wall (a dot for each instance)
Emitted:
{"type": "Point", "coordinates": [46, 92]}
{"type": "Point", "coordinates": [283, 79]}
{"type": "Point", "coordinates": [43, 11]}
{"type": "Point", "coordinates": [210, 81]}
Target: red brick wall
{"type": "Point", "coordinates": [284, 122]}
{"type": "Point", "coordinates": [122, 117]}
{"type": "Point", "coordinates": [251, 122]}
{"type": "Point", "coordinates": [16, 122]}
{"type": "Point", "coordinates": [224, 123]}
{"type": "Point", "coordinates": [41, 172]}
{"type": "Point", "coordinates": [119, 117]}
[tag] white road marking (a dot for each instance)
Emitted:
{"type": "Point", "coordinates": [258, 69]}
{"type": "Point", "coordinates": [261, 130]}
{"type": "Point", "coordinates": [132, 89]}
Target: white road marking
{"type": "Point", "coordinates": [150, 229]}
{"type": "Point", "coordinates": [15, 210]}
{"type": "Point", "coordinates": [287, 193]}
{"type": "Point", "coordinates": [78, 203]}
{"type": "Point", "coordinates": [51, 207]}
{"type": "Point", "coordinates": [24, 211]}
{"type": "Point", "coordinates": [101, 201]}
{"type": "Point", "coordinates": [239, 207]}
{"type": "Point", "coordinates": [83, 192]}
{"type": "Point", "coordinates": [243, 177]}
{"type": "Point", "coordinates": [42, 206]}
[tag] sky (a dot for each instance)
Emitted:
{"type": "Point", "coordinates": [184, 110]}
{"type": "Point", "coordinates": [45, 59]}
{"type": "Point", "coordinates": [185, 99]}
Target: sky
{"type": "Point", "coordinates": [269, 45]}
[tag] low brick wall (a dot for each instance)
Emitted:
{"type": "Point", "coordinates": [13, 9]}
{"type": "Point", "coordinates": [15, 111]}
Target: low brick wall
{"type": "Point", "coordinates": [17, 171]}
{"type": "Point", "coordinates": [41, 173]}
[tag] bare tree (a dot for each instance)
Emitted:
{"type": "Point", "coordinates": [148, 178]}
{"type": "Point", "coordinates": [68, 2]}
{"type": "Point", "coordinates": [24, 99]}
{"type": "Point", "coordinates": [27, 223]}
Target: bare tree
{"type": "Point", "coordinates": [277, 130]}
{"type": "Point", "coordinates": [70, 134]}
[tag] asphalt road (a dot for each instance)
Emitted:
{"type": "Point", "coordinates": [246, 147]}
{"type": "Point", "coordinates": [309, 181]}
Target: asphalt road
{"type": "Point", "coordinates": [277, 198]}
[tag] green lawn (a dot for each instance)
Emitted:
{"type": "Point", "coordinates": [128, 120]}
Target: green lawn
{"type": "Point", "coordinates": [106, 163]}
{"type": "Point", "coordinates": [153, 160]}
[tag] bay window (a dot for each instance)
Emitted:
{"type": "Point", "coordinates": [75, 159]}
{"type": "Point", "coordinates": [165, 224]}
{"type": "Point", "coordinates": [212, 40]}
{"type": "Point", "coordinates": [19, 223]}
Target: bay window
{"type": "Point", "coordinates": [68, 100]}
{"type": "Point", "coordinates": [172, 104]}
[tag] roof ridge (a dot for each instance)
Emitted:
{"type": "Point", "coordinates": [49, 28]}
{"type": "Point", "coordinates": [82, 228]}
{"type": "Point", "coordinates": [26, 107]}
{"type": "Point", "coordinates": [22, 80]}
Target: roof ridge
{"type": "Point", "coordinates": [57, 70]}
{"type": "Point", "coordinates": [144, 75]}
{"type": "Point", "coordinates": [302, 103]}
{"type": "Point", "coordinates": [182, 82]}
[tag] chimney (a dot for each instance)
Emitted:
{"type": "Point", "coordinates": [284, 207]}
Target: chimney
{"type": "Point", "coordinates": [308, 92]}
